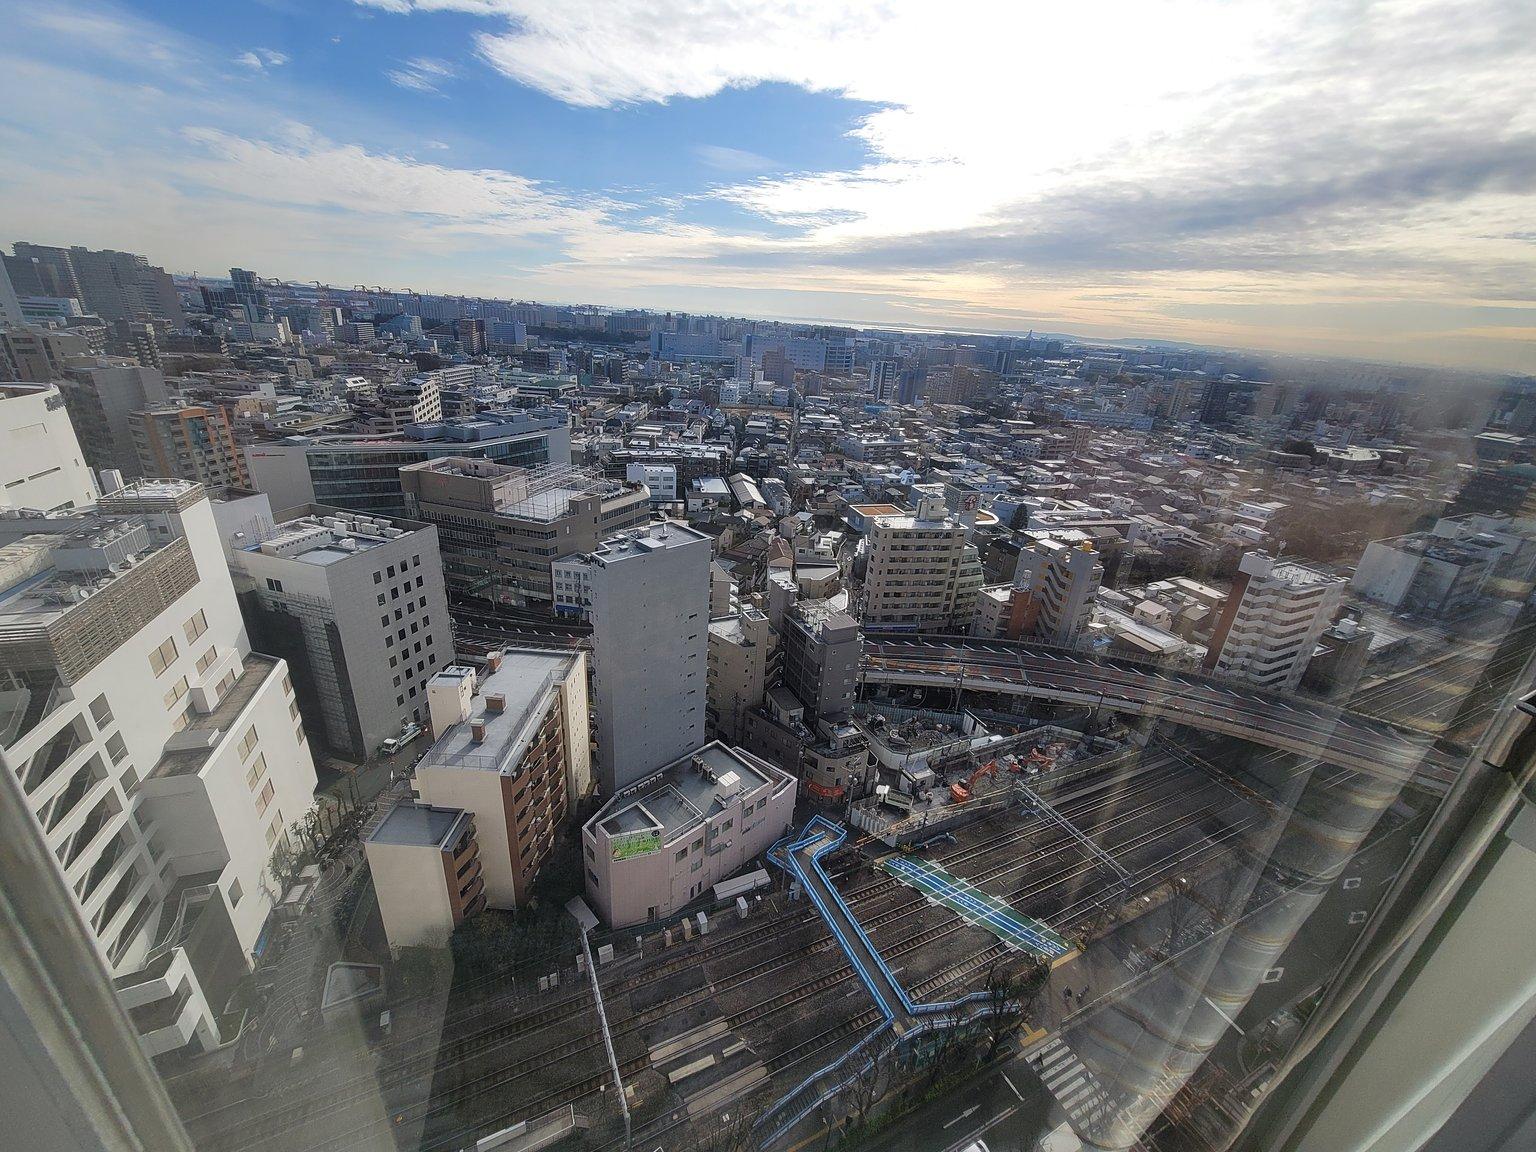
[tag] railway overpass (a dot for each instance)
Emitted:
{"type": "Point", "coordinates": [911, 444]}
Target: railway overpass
{"type": "Point", "coordinates": [1212, 704]}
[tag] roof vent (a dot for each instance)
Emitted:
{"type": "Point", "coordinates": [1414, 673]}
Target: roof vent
{"type": "Point", "coordinates": [477, 731]}
{"type": "Point", "coordinates": [496, 702]}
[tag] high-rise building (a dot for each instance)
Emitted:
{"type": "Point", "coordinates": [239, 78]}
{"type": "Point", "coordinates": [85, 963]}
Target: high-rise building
{"type": "Point", "coordinates": [913, 574]}
{"type": "Point", "coordinates": [500, 527]}
{"type": "Point", "coordinates": [884, 377]}
{"type": "Point", "coordinates": [10, 302]}
{"type": "Point", "coordinates": [1060, 582]}
{"type": "Point", "coordinates": [112, 285]}
{"type": "Point", "coordinates": [162, 758]}
{"type": "Point", "coordinates": [822, 649]}
{"type": "Point", "coordinates": [41, 464]}
{"type": "Point", "coordinates": [646, 594]}
{"type": "Point", "coordinates": [356, 605]}
{"type": "Point", "coordinates": [1271, 621]}
{"type": "Point", "coordinates": [471, 334]}
{"type": "Point", "coordinates": [190, 442]}
{"type": "Point", "coordinates": [742, 662]}
{"type": "Point", "coordinates": [1214, 401]}
{"type": "Point", "coordinates": [103, 394]}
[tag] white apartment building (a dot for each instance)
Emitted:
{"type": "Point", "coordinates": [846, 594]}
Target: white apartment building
{"type": "Point", "coordinates": [1061, 582]}
{"type": "Point", "coordinates": [664, 841]}
{"type": "Point", "coordinates": [357, 606]}
{"type": "Point", "coordinates": [1271, 621]}
{"type": "Point", "coordinates": [511, 748]}
{"type": "Point", "coordinates": [646, 594]}
{"type": "Point", "coordinates": [163, 759]}
{"type": "Point", "coordinates": [41, 463]}
{"type": "Point", "coordinates": [913, 578]}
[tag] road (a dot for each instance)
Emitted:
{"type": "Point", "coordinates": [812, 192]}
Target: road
{"type": "Point", "coordinates": [1287, 723]}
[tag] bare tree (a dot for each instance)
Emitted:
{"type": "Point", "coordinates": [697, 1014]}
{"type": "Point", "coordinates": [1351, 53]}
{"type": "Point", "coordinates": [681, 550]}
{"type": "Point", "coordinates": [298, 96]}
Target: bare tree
{"type": "Point", "coordinates": [870, 1083]}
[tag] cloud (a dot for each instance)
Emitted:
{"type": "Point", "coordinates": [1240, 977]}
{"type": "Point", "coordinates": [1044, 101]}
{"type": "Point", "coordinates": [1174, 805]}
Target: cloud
{"type": "Point", "coordinates": [260, 59]}
{"type": "Point", "coordinates": [421, 74]}
{"type": "Point", "coordinates": [735, 160]}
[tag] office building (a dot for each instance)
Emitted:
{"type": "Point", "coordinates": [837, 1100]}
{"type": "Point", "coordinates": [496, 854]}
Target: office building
{"type": "Point", "coordinates": [742, 663]}
{"type": "Point", "coordinates": [646, 594]}
{"type": "Point", "coordinates": [38, 355]}
{"type": "Point", "coordinates": [112, 285]}
{"type": "Point", "coordinates": [1271, 621]}
{"type": "Point", "coordinates": [822, 648]}
{"type": "Point", "coordinates": [1442, 572]}
{"type": "Point", "coordinates": [884, 379]}
{"type": "Point", "coordinates": [362, 473]}
{"type": "Point", "coordinates": [357, 606]}
{"type": "Point", "coordinates": [103, 394]}
{"type": "Point", "coordinates": [427, 873]}
{"type": "Point", "coordinates": [664, 841]}
{"type": "Point", "coordinates": [10, 302]}
{"type": "Point", "coordinates": [189, 442]}
{"type": "Point", "coordinates": [1059, 581]}
{"type": "Point", "coordinates": [162, 758]}
{"type": "Point", "coordinates": [41, 464]}
{"type": "Point", "coordinates": [913, 575]}
{"type": "Point", "coordinates": [511, 749]}
{"type": "Point", "coordinates": [501, 527]}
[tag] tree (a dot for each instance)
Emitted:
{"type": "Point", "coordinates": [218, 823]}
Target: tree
{"type": "Point", "coordinates": [870, 1083]}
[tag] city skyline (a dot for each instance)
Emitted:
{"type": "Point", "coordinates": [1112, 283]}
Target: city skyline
{"type": "Point", "coordinates": [1330, 184]}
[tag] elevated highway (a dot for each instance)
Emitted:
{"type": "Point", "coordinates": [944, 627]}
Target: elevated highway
{"type": "Point", "coordinates": [1212, 704]}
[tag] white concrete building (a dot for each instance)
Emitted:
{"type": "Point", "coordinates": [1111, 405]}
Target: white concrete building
{"type": "Point", "coordinates": [1061, 581]}
{"type": "Point", "coordinates": [646, 594]}
{"type": "Point", "coordinates": [664, 841]}
{"type": "Point", "coordinates": [1271, 621]}
{"type": "Point", "coordinates": [512, 749]}
{"type": "Point", "coordinates": [41, 463]}
{"type": "Point", "coordinates": [357, 606]}
{"type": "Point", "coordinates": [163, 759]}
{"type": "Point", "coordinates": [427, 873]}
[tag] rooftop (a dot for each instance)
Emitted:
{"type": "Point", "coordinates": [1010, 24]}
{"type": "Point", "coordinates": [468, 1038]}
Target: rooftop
{"type": "Point", "coordinates": [686, 792]}
{"type": "Point", "coordinates": [527, 681]}
{"type": "Point", "coordinates": [421, 825]}
{"type": "Point", "coordinates": [188, 751]}
{"type": "Point", "coordinates": [329, 535]}
{"type": "Point", "coordinates": [653, 537]}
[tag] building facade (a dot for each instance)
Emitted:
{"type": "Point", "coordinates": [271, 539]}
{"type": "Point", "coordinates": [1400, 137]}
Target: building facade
{"type": "Point", "coordinates": [742, 663]}
{"type": "Point", "coordinates": [1271, 621]}
{"type": "Point", "coordinates": [41, 463]}
{"type": "Point", "coordinates": [913, 574]}
{"type": "Point", "coordinates": [427, 873]}
{"type": "Point", "coordinates": [190, 443]}
{"type": "Point", "coordinates": [662, 842]}
{"type": "Point", "coordinates": [163, 759]}
{"type": "Point", "coordinates": [501, 528]}
{"type": "Point", "coordinates": [358, 607]}
{"type": "Point", "coordinates": [646, 594]}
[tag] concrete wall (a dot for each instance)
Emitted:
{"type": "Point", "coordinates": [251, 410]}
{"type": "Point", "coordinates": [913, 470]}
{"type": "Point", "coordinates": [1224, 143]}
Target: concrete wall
{"type": "Point", "coordinates": [413, 893]}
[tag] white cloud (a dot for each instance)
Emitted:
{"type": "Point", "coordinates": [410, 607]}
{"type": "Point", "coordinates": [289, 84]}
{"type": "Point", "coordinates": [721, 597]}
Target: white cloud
{"type": "Point", "coordinates": [422, 74]}
{"type": "Point", "coordinates": [260, 59]}
{"type": "Point", "coordinates": [737, 160]}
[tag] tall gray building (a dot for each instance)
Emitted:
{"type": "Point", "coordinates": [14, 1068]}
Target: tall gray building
{"type": "Point", "coordinates": [112, 285]}
{"type": "Point", "coordinates": [356, 605]}
{"type": "Point", "coordinates": [103, 394]}
{"type": "Point", "coordinates": [646, 594]}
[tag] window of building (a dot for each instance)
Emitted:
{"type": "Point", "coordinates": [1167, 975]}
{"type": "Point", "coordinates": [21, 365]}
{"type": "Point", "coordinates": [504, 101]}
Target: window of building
{"type": "Point", "coordinates": [196, 626]}
{"type": "Point", "coordinates": [177, 691]}
{"type": "Point", "coordinates": [265, 798]}
{"type": "Point", "coordinates": [162, 657]}
{"type": "Point", "coordinates": [254, 774]}
{"type": "Point", "coordinates": [128, 781]}
{"type": "Point", "coordinates": [101, 712]}
{"type": "Point", "coordinates": [205, 661]}
{"type": "Point", "coordinates": [247, 742]}
{"type": "Point", "coordinates": [378, 577]}
{"type": "Point", "coordinates": [235, 893]}
{"type": "Point", "coordinates": [274, 585]}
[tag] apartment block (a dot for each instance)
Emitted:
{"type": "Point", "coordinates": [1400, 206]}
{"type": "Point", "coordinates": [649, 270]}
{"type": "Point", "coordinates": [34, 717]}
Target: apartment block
{"type": "Point", "coordinates": [103, 394]}
{"type": "Point", "coordinates": [912, 582]}
{"type": "Point", "coordinates": [189, 442]}
{"type": "Point", "coordinates": [1271, 621]}
{"type": "Point", "coordinates": [41, 462]}
{"type": "Point", "coordinates": [501, 528]}
{"type": "Point", "coordinates": [357, 606]}
{"type": "Point", "coordinates": [427, 873]}
{"type": "Point", "coordinates": [664, 841]}
{"type": "Point", "coordinates": [822, 649]}
{"type": "Point", "coordinates": [163, 759]}
{"type": "Point", "coordinates": [511, 748]}
{"type": "Point", "coordinates": [742, 663]}
{"type": "Point", "coordinates": [1060, 582]}
{"type": "Point", "coordinates": [646, 594]}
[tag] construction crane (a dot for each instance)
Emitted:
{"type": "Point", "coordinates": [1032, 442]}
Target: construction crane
{"type": "Point", "coordinates": [962, 790]}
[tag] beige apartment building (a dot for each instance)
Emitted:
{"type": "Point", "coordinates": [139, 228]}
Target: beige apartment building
{"type": "Point", "coordinates": [501, 527]}
{"type": "Point", "coordinates": [743, 657]}
{"type": "Point", "coordinates": [913, 579]}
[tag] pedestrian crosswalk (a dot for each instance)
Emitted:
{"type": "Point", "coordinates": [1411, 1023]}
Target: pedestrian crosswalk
{"type": "Point", "coordinates": [1076, 1088]}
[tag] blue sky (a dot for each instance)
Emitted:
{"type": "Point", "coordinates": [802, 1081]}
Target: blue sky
{"type": "Point", "coordinates": [1335, 177]}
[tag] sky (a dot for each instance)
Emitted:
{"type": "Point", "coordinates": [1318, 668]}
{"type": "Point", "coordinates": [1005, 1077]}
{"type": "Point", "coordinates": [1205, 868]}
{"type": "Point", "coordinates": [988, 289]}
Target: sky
{"type": "Point", "coordinates": [1339, 177]}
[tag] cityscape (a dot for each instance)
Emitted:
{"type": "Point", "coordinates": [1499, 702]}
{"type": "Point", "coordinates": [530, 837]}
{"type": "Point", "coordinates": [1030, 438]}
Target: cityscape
{"type": "Point", "coordinates": [716, 576]}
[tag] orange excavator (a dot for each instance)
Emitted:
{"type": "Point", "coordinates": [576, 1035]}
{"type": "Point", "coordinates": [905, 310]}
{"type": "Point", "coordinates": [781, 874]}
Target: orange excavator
{"type": "Point", "coordinates": [962, 790]}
